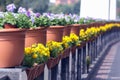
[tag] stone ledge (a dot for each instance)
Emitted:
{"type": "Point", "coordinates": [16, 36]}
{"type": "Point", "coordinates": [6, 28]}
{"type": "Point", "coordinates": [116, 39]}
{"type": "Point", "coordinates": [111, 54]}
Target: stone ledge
{"type": "Point", "coordinates": [13, 74]}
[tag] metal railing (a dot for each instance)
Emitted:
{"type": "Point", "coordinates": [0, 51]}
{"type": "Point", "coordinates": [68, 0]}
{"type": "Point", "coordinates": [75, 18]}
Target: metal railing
{"type": "Point", "coordinates": [80, 64]}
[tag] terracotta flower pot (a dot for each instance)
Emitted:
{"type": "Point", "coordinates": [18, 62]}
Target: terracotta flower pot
{"type": "Point", "coordinates": [67, 30]}
{"type": "Point", "coordinates": [9, 26]}
{"type": "Point", "coordinates": [83, 26]}
{"type": "Point", "coordinates": [53, 61]}
{"type": "Point", "coordinates": [95, 24]}
{"type": "Point", "coordinates": [35, 36]}
{"type": "Point", "coordinates": [75, 29]}
{"type": "Point", "coordinates": [11, 47]}
{"type": "Point", "coordinates": [55, 33]}
{"type": "Point", "coordinates": [35, 71]}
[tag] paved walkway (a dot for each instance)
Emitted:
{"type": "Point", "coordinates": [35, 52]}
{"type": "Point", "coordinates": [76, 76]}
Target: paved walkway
{"type": "Point", "coordinates": [109, 69]}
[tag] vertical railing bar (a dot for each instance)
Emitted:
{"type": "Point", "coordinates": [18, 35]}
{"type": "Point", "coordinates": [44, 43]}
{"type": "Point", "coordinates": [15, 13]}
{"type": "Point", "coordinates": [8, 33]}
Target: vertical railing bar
{"type": "Point", "coordinates": [54, 72]}
{"type": "Point", "coordinates": [79, 65]}
{"type": "Point", "coordinates": [84, 59]}
{"type": "Point", "coordinates": [73, 66]}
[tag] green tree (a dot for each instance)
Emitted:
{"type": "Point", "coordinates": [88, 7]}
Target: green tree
{"type": "Point", "coordinates": [37, 5]}
{"type": "Point", "coordinates": [66, 9]}
{"type": "Point", "coordinates": [76, 7]}
{"type": "Point", "coordinates": [4, 3]}
{"type": "Point", "coordinates": [60, 9]}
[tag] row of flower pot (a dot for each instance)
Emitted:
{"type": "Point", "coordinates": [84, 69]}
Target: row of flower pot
{"type": "Point", "coordinates": [85, 35]}
{"type": "Point", "coordinates": [14, 40]}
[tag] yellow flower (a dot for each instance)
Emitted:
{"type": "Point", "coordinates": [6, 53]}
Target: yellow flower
{"type": "Point", "coordinates": [34, 45]}
{"type": "Point", "coordinates": [37, 52]}
{"type": "Point", "coordinates": [34, 56]}
{"type": "Point", "coordinates": [54, 47]}
{"type": "Point", "coordinates": [28, 50]}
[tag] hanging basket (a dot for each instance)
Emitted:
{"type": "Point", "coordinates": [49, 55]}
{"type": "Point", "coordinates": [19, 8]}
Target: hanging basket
{"type": "Point", "coordinates": [35, 71]}
{"type": "Point", "coordinates": [73, 49]}
{"type": "Point", "coordinates": [53, 62]}
{"type": "Point", "coordinates": [82, 44]}
{"type": "Point", "coordinates": [55, 33]}
{"type": "Point", "coordinates": [35, 36]}
{"type": "Point", "coordinates": [66, 53]}
{"type": "Point", "coordinates": [11, 47]}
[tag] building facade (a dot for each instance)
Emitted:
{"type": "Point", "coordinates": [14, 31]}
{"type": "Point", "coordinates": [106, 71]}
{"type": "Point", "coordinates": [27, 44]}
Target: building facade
{"type": "Point", "coordinates": [58, 2]}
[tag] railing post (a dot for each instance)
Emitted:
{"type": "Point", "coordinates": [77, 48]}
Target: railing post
{"type": "Point", "coordinates": [59, 70]}
{"type": "Point", "coordinates": [73, 66]}
{"type": "Point", "coordinates": [87, 57]}
{"type": "Point", "coordinates": [90, 52]}
{"type": "Point", "coordinates": [84, 60]}
{"type": "Point", "coordinates": [49, 74]}
{"type": "Point", "coordinates": [94, 54]}
{"type": "Point", "coordinates": [79, 65]}
{"type": "Point", "coordinates": [65, 69]}
{"type": "Point", "coordinates": [54, 71]}
{"type": "Point", "coordinates": [96, 47]}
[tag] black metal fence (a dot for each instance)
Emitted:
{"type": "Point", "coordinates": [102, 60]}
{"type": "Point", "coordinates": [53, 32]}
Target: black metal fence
{"type": "Point", "coordinates": [81, 61]}
{"type": "Point", "coordinates": [79, 64]}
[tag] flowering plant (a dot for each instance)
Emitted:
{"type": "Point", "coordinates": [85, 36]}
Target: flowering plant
{"type": "Point", "coordinates": [89, 20]}
{"type": "Point", "coordinates": [91, 32]}
{"type": "Point", "coordinates": [66, 42]}
{"type": "Point", "coordinates": [22, 21]}
{"type": "Point", "coordinates": [37, 53]}
{"type": "Point", "coordinates": [56, 19]}
{"type": "Point", "coordinates": [82, 35]}
{"type": "Point", "coordinates": [74, 39]}
{"type": "Point", "coordinates": [42, 21]}
{"type": "Point", "coordinates": [9, 18]}
{"type": "Point", "coordinates": [1, 22]}
{"type": "Point", "coordinates": [55, 48]}
{"type": "Point", "coordinates": [19, 20]}
{"type": "Point", "coordinates": [81, 21]}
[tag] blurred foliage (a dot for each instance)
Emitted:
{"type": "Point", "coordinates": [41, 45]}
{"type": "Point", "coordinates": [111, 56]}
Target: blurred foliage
{"type": "Point", "coordinates": [118, 3]}
{"type": "Point", "coordinates": [118, 8]}
{"type": "Point", "coordinates": [66, 9]}
{"type": "Point", "coordinates": [36, 5]}
{"type": "Point", "coordinates": [42, 6]}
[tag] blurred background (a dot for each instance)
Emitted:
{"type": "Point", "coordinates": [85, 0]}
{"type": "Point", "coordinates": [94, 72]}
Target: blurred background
{"type": "Point", "coordinates": [42, 6]}
{"type": "Point", "coordinates": [53, 6]}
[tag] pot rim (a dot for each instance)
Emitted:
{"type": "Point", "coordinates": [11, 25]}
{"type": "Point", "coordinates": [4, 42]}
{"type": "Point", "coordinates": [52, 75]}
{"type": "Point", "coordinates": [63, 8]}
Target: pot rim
{"type": "Point", "coordinates": [57, 26]}
{"type": "Point", "coordinates": [12, 30]}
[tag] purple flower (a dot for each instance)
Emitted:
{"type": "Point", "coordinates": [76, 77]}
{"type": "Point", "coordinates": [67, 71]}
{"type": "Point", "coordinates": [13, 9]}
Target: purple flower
{"type": "Point", "coordinates": [10, 7]}
{"type": "Point", "coordinates": [28, 14]}
{"type": "Point", "coordinates": [37, 15]}
{"type": "Point", "coordinates": [22, 10]}
{"type": "Point", "coordinates": [32, 19]}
